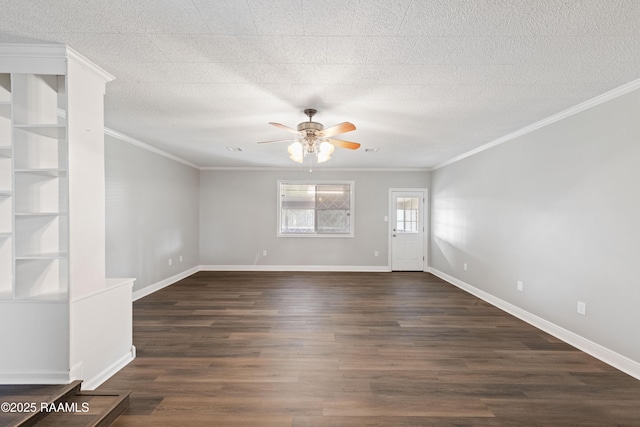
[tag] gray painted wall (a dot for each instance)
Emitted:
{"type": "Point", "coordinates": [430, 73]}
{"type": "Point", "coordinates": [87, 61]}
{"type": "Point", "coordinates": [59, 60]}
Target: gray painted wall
{"type": "Point", "coordinates": [558, 209]}
{"type": "Point", "coordinates": [151, 214]}
{"type": "Point", "coordinates": [238, 219]}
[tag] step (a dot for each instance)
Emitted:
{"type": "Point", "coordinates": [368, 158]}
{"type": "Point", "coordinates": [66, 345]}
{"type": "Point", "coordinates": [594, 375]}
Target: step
{"type": "Point", "coordinates": [87, 409]}
{"type": "Point", "coordinates": [35, 394]}
{"type": "Point", "coordinates": [67, 406]}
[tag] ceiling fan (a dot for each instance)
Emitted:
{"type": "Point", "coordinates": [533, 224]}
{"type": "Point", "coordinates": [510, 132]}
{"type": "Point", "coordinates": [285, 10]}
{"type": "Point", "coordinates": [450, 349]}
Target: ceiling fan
{"type": "Point", "coordinates": [313, 139]}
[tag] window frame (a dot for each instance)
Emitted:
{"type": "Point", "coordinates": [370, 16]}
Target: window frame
{"type": "Point", "coordinates": [351, 232]}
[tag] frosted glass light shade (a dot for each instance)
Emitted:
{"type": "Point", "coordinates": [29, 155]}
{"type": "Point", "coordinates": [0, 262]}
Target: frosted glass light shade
{"type": "Point", "coordinates": [295, 152]}
{"type": "Point", "coordinates": [324, 152]}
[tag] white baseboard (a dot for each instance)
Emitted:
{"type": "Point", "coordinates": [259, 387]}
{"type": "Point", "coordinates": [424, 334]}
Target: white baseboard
{"type": "Point", "coordinates": [75, 373]}
{"type": "Point", "coordinates": [109, 371]}
{"type": "Point", "coordinates": [326, 268]}
{"type": "Point", "coordinates": [148, 290]}
{"type": "Point", "coordinates": [604, 354]}
{"type": "Point", "coordinates": [35, 377]}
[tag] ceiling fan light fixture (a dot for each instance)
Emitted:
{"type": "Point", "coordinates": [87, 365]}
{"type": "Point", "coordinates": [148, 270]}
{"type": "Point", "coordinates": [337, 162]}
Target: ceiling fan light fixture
{"type": "Point", "coordinates": [324, 151]}
{"type": "Point", "coordinates": [296, 152]}
{"type": "Point", "coordinates": [314, 140]}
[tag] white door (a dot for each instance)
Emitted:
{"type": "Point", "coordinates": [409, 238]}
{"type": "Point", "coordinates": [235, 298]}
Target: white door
{"type": "Point", "coordinates": [407, 230]}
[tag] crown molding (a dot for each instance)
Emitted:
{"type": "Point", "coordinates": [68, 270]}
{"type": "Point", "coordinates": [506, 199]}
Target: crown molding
{"type": "Point", "coordinates": [88, 65]}
{"type": "Point", "coordinates": [33, 58]}
{"type": "Point", "coordinates": [145, 146]}
{"type": "Point", "coordinates": [314, 169]}
{"type": "Point", "coordinates": [42, 50]}
{"type": "Point", "coordinates": [607, 96]}
{"type": "Point", "coordinates": [140, 144]}
{"type": "Point", "coordinates": [50, 57]}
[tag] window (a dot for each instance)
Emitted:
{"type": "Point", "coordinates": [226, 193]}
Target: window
{"type": "Point", "coordinates": [315, 209]}
{"type": "Point", "coordinates": [407, 214]}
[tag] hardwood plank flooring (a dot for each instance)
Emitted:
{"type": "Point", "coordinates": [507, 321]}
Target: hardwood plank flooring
{"type": "Point", "coordinates": [354, 349]}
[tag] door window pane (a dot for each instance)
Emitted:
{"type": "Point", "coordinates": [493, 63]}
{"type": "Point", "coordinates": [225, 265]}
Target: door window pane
{"type": "Point", "coordinates": [407, 210]}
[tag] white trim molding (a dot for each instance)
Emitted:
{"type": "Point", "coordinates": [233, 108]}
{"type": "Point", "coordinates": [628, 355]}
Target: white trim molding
{"type": "Point", "coordinates": [148, 290]}
{"type": "Point", "coordinates": [33, 58]}
{"type": "Point", "coordinates": [607, 96]}
{"type": "Point", "coordinates": [88, 65]}
{"type": "Point", "coordinates": [47, 58]}
{"type": "Point", "coordinates": [109, 371]}
{"type": "Point", "coordinates": [604, 354]}
{"type": "Point", "coordinates": [316, 168]}
{"type": "Point", "coordinates": [145, 146]}
{"type": "Point", "coordinates": [325, 268]}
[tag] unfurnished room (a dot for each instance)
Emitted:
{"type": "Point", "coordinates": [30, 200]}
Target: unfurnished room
{"type": "Point", "coordinates": [319, 213]}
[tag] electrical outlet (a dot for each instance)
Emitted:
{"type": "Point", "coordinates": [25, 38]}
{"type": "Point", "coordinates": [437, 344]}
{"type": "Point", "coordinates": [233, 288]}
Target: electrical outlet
{"type": "Point", "coordinates": [520, 286]}
{"type": "Point", "coordinates": [582, 308]}
{"type": "Point", "coordinates": [375, 253]}
{"type": "Point", "coordinates": [465, 266]}
{"type": "Point", "coordinates": [170, 261]}
{"type": "Point", "coordinates": [180, 258]}
{"type": "Point", "coordinates": [264, 253]}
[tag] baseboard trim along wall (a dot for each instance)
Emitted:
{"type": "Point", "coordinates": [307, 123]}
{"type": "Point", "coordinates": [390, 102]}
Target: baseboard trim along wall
{"type": "Point", "coordinates": [95, 382]}
{"type": "Point", "coordinates": [148, 290]}
{"type": "Point", "coordinates": [327, 268]}
{"type": "Point", "coordinates": [604, 354]}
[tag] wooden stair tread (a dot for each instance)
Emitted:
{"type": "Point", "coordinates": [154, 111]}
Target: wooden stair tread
{"type": "Point", "coordinates": [69, 405]}
{"type": "Point", "coordinates": [37, 394]}
{"type": "Point", "coordinates": [94, 409]}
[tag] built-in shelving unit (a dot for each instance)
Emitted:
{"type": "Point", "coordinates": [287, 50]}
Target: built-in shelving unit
{"type": "Point", "coordinates": [6, 189]}
{"type": "Point", "coordinates": [62, 319]}
{"type": "Point", "coordinates": [34, 191]}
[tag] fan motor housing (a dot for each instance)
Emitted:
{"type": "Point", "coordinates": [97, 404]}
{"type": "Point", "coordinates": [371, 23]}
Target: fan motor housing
{"type": "Point", "coordinates": [310, 126]}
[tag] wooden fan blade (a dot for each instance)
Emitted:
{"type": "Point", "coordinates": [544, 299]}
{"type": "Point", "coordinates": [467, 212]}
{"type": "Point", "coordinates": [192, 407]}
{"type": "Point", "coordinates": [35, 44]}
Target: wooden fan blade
{"type": "Point", "coordinates": [339, 128]}
{"type": "Point", "coordinates": [287, 128]}
{"type": "Point", "coordinates": [276, 140]}
{"type": "Point", "coordinates": [344, 144]}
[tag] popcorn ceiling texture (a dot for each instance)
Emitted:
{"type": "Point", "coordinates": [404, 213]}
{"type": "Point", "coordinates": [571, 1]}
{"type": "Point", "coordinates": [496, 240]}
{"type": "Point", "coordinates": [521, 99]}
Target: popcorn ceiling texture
{"type": "Point", "coordinates": [424, 81]}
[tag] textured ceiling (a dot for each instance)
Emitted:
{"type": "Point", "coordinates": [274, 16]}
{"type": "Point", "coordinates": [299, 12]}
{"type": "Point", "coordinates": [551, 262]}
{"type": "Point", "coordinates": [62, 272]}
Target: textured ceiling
{"type": "Point", "coordinates": [423, 81]}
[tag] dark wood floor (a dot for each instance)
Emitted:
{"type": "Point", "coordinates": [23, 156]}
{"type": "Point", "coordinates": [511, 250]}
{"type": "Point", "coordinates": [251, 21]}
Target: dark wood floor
{"type": "Point", "coordinates": [355, 349]}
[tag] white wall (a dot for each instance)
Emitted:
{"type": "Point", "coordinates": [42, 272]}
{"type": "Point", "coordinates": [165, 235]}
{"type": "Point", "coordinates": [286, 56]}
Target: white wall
{"type": "Point", "coordinates": [558, 209]}
{"type": "Point", "coordinates": [238, 219]}
{"type": "Point", "coordinates": [151, 214]}
{"type": "Point", "coordinates": [86, 177]}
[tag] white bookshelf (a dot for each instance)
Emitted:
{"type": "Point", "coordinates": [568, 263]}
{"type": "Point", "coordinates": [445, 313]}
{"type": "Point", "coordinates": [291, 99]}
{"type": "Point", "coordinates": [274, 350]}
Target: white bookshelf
{"type": "Point", "coordinates": [36, 220]}
{"type": "Point", "coordinates": [53, 288]}
{"type": "Point", "coordinates": [6, 189]}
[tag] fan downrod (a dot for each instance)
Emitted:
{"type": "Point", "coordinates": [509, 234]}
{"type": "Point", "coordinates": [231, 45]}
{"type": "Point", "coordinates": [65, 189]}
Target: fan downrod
{"type": "Point", "coordinates": [310, 112]}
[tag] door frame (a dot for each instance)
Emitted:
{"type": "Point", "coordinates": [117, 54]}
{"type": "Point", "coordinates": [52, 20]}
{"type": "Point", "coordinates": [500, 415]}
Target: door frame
{"type": "Point", "coordinates": [425, 223]}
